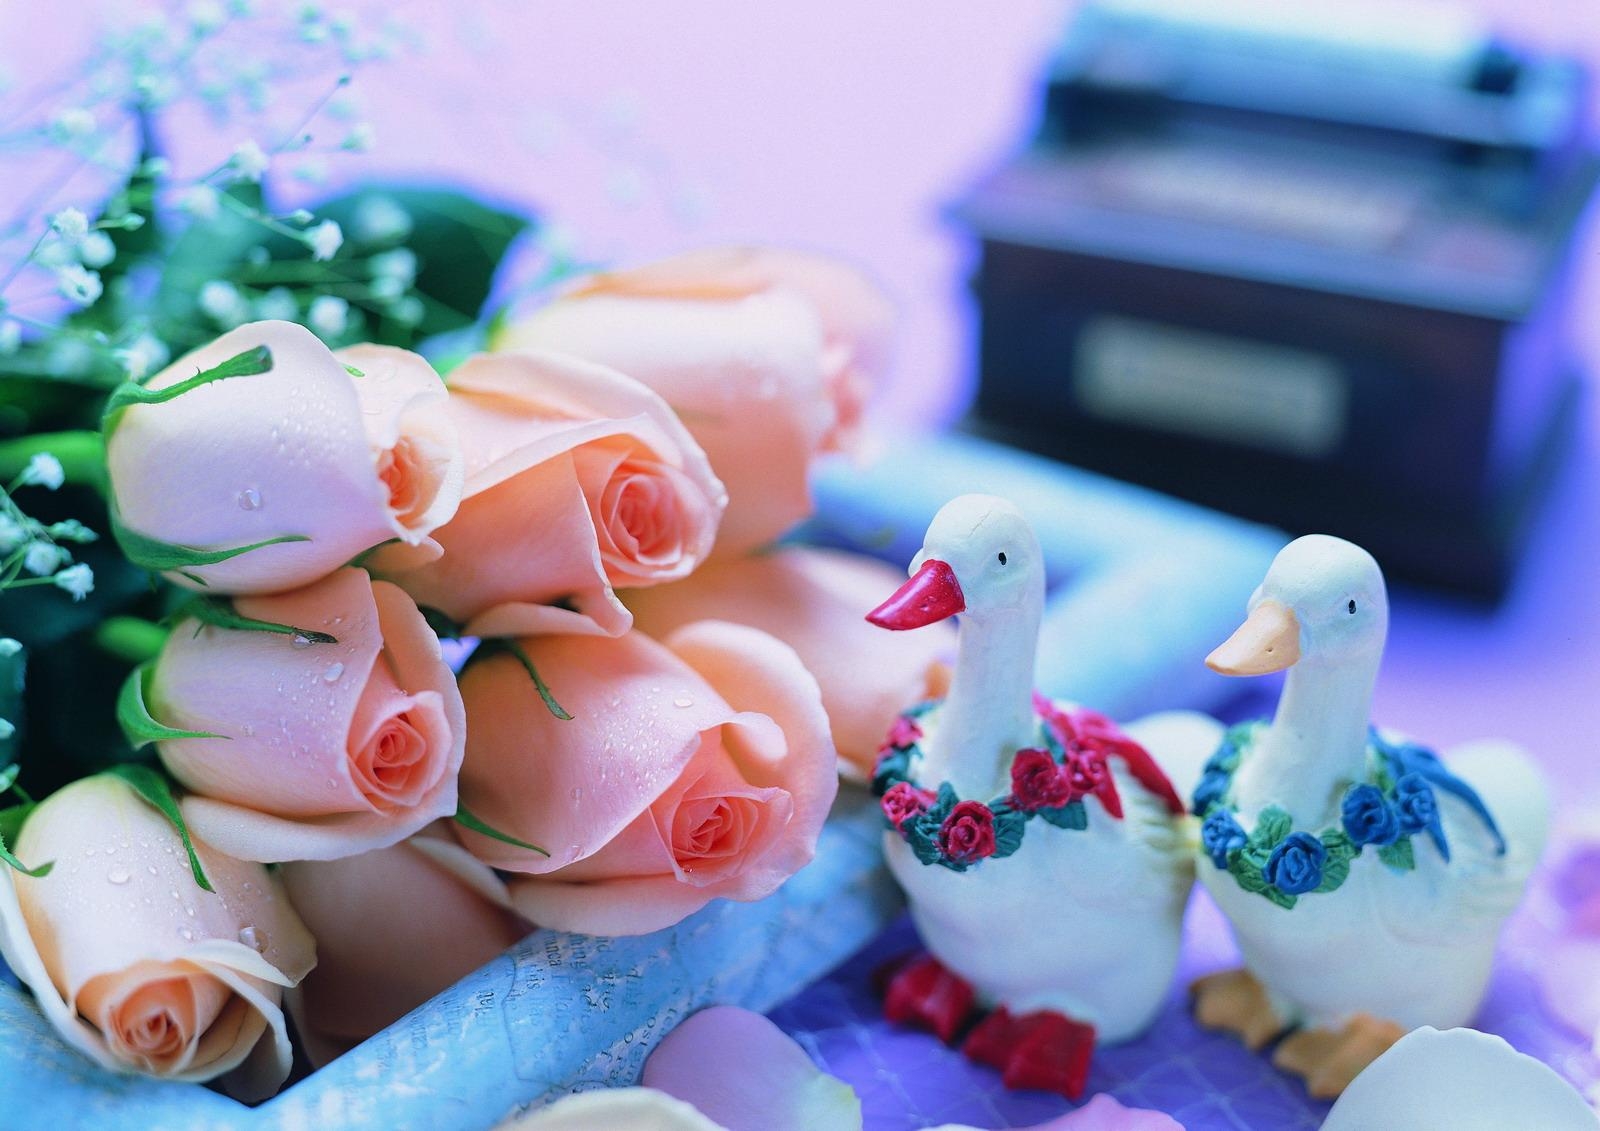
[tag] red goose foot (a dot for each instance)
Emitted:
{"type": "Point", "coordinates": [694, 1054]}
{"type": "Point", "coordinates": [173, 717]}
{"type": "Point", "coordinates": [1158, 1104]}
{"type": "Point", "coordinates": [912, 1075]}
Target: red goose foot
{"type": "Point", "coordinates": [1044, 1050]}
{"type": "Point", "coordinates": [924, 994]}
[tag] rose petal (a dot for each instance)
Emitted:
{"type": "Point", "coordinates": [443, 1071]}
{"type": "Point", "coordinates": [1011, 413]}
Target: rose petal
{"type": "Point", "coordinates": [118, 860]}
{"type": "Point", "coordinates": [414, 442]}
{"type": "Point", "coordinates": [746, 1074]}
{"type": "Point", "coordinates": [746, 374]}
{"type": "Point", "coordinates": [378, 958]}
{"type": "Point", "coordinates": [287, 783]}
{"type": "Point", "coordinates": [613, 1109]}
{"type": "Point", "coordinates": [246, 459]}
{"type": "Point", "coordinates": [1458, 1078]}
{"type": "Point", "coordinates": [816, 601]}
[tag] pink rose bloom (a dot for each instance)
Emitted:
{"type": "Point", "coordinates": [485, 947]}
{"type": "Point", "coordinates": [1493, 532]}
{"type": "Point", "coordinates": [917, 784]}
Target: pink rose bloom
{"type": "Point", "coordinates": [377, 958]}
{"type": "Point", "coordinates": [329, 749]}
{"type": "Point", "coordinates": [815, 601]}
{"type": "Point", "coordinates": [693, 769]}
{"type": "Point", "coordinates": [765, 354]}
{"type": "Point", "coordinates": [185, 988]}
{"type": "Point", "coordinates": [303, 449]}
{"type": "Point", "coordinates": [579, 481]}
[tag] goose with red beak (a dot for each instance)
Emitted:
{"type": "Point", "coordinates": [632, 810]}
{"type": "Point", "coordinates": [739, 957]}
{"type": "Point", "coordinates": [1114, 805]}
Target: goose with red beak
{"type": "Point", "coordinates": [1041, 846]}
{"type": "Point", "coordinates": [1365, 879]}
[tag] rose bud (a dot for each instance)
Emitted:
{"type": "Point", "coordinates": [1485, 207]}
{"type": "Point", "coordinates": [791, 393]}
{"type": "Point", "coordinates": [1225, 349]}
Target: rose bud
{"type": "Point", "coordinates": [311, 751]}
{"type": "Point", "coordinates": [763, 374]}
{"type": "Point", "coordinates": [693, 769]}
{"type": "Point", "coordinates": [266, 480]}
{"type": "Point", "coordinates": [377, 957]}
{"type": "Point", "coordinates": [135, 965]}
{"type": "Point", "coordinates": [814, 601]}
{"type": "Point", "coordinates": [579, 480]}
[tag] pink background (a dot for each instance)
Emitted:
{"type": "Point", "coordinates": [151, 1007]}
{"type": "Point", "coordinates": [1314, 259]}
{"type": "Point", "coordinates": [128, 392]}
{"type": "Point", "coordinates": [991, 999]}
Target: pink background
{"type": "Point", "coordinates": [645, 127]}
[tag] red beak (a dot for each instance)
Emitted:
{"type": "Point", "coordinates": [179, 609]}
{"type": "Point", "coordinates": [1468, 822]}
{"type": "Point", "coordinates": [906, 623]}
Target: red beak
{"type": "Point", "coordinates": [931, 594]}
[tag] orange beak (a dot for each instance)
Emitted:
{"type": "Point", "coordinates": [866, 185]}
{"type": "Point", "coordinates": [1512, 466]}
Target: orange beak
{"type": "Point", "coordinates": [1268, 641]}
{"type": "Point", "coordinates": [931, 595]}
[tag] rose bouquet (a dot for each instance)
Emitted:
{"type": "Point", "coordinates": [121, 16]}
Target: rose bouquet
{"type": "Point", "coordinates": [383, 596]}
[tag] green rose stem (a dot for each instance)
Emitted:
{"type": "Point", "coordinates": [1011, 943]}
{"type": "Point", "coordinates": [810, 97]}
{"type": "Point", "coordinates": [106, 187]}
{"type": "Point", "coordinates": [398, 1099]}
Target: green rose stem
{"type": "Point", "coordinates": [130, 638]}
{"type": "Point", "coordinates": [82, 456]}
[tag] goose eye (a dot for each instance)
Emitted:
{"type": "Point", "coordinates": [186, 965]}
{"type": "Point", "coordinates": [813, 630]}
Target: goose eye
{"type": "Point", "coordinates": [1352, 606]}
{"type": "Point", "coordinates": [1001, 557]}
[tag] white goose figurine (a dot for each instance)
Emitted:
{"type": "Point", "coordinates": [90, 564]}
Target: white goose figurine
{"type": "Point", "coordinates": [1366, 882]}
{"type": "Point", "coordinates": [1057, 898]}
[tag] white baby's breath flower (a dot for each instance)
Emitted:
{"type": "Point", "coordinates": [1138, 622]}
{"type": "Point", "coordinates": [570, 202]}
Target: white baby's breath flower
{"type": "Point", "coordinates": [324, 240]}
{"type": "Point", "coordinates": [71, 530]}
{"type": "Point", "coordinates": [201, 202]}
{"type": "Point", "coordinates": [9, 647]}
{"type": "Point", "coordinates": [78, 285]}
{"type": "Point", "coordinates": [221, 301]}
{"type": "Point", "coordinates": [381, 219]}
{"type": "Point", "coordinates": [145, 354]}
{"type": "Point", "coordinates": [11, 533]}
{"type": "Point", "coordinates": [329, 315]}
{"type": "Point", "coordinates": [10, 336]}
{"type": "Point", "coordinates": [77, 580]}
{"type": "Point", "coordinates": [408, 311]}
{"type": "Point", "coordinates": [7, 729]}
{"type": "Point", "coordinates": [53, 254]}
{"type": "Point", "coordinates": [360, 138]}
{"type": "Point", "coordinates": [97, 250]}
{"type": "Point", "coordinates": [43, 470]}
{"type": "Point", "coordinates": [249, 161]}
{"type": "Point", "coordinates": [301, 216]}
{"type": "Point", "coordinates": [42, 558]}
{"type": "Point", "coordinates": [75, 122]}
{"type": "Point", "coordinates": [399, 265]}
{"type": "Point", "coordinates": [278, 304]}
{"type": "Point", "coordinates": [70, 224]}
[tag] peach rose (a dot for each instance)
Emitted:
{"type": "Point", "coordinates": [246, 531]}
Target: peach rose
{"type": "Point", "coordinates": [303, 450]}
{"type": "Point", "coordinates": [325, 749]}
{"type": "Point", "coordinates": [765, 355]}
{"type": "Point", "coordinates": [378, 959]}
{"type": "Point", "coordinates": [186, 988]}
{"type": "Point", "coordinates": [613, 1109]}
{"type": "Point", "coordinates": [578, 480]}
{"type": "Point", "coordinates": [815, 601]}
{"type": "Point", "coordinates": [693, 769]}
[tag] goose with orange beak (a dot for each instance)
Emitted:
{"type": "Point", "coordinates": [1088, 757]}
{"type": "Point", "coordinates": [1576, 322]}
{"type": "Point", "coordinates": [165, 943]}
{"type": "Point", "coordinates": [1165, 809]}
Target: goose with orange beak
{"type": "Point", "coordinates": [1041, 847]}
{"type": "Point", "coordinates": [1365, 879]}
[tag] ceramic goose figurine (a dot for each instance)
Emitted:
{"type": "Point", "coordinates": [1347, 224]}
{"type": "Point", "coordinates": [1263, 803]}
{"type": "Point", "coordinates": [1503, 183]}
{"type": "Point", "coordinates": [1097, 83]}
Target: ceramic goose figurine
{"type": "Point", "coordinates": [1041, 848]}
{"type": "Point", "coordinates": [1365, 881]}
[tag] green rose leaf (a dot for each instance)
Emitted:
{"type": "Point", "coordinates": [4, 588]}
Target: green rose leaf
{"type": "Point", "coordinates": [159, 557]}
{"type": "Point", "coordinates": [1072, 815]}
{"type": "Point", "coordinates": [505, 644]}
{"type": "Point", "coordinates": [246, 364]}
{"type": "Point", "coordinates": [1399, 856]}
{"type": "Point", "coordinates": [477, 825]}
{"type": "Point", "coordinates": [138, 724]}
{"type": "Point", "coordinates": [218, 612]}
{"type": "Point", "coordinates": [922, 835]}
{"type": "Point", "coordinates": [1339, 845]}
{"type": "Point", "coordinates": [1335, 870]}
{"type": "Point", "coordinates": [1282, 898]}
{"type": "Point", "coordinates": [10, 825]}
{"type": "Point", "coordinates": [152, 785]}
{"type": "Point", "coordinates": [1246, 871]}
{"type": "Point", "coordinates": [1008, 826]}
{"type": "Point", "coordinates": [1271, 827]}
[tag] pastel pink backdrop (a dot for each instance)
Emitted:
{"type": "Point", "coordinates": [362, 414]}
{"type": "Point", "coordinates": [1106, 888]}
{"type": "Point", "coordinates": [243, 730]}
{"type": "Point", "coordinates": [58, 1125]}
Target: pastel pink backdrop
{"type": "Point", "coordinates": [646, 127]}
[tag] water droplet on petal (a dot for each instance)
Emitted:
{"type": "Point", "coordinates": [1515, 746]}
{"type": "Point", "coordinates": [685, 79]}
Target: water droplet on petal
{"type": "Point", "coordinates": [186, 933]}
{"type": "Point", "coordinates": [573, 852]}
{"type": "Point", "coordinates": [117, 876]}
{"type": "Point", "coordinates": [301, 640]}
{"type": "Point", "coordinates": [249, 499]}
{"type": "Point", "coordinates": [151, 868]}
{"type": "Point", "coordinates": [252, 938]}
{"type": "Point", "coordinates": [683, 701]}
{"type": "Point", "coordinates": [577, 793]}
{"type": "Point", "coordinates": [335, 670]}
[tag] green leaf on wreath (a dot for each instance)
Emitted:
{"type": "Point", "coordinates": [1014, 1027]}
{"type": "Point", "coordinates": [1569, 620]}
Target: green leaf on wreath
{"type": "Point", "coordinates": [1282, 898]}
{"type": "Point", "coordinates": [1008, 826]}
{"type": "Point", "coordinates": [1399, 856]}
{"type": "Point", "coordinates": [1272, 827]}
{"type": "Point", "coordinates": [152, 785]}
{"type": "Point", "coordinates": [1335, 870]}
{"type": "Point", "coordinates": [1072, 815]}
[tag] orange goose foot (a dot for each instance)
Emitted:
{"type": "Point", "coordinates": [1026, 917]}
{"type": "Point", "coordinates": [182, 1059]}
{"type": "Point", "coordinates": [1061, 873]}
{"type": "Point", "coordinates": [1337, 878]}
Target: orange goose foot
{"type": "Point", "coordinates": [1234, 1002]}
{"type": "Point", "coordinates": [1328, 1059]}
